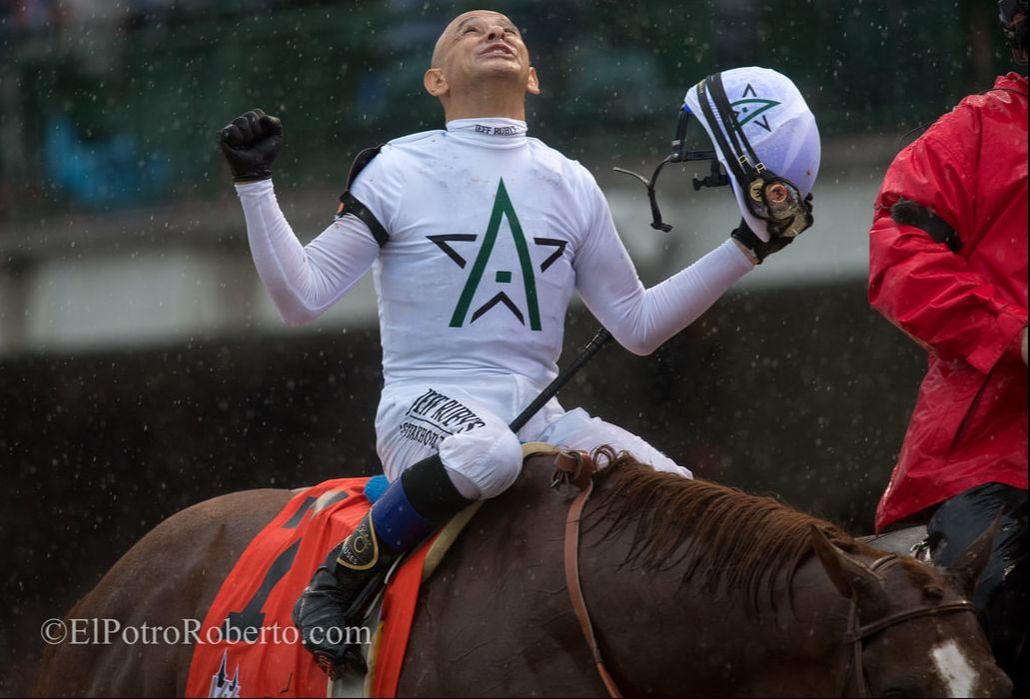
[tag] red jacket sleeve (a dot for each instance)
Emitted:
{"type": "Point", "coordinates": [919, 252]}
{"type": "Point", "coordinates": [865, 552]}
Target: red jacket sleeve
{"type": "Point", "coordinates": [935, 295]}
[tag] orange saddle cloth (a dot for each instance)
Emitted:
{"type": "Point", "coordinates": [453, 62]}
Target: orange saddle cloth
{"type": "Point", "coordinates": [248, 645]}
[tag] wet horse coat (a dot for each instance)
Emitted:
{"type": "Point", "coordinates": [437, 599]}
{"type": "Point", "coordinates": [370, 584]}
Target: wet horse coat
{"type": "Point", "coordinates": [694, 588]}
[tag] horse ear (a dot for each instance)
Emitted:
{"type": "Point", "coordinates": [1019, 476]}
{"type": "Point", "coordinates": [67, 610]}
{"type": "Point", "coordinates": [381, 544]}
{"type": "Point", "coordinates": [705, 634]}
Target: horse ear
{"type": "Point", "coordinates": [852, 579]}
{"type": "Point", "coordinates": [965, 572]}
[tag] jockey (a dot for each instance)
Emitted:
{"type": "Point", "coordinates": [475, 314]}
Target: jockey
{"type": "Point", "coordinates": [948, 265]}
{"type": "Point", "coordinates": [477, 235]}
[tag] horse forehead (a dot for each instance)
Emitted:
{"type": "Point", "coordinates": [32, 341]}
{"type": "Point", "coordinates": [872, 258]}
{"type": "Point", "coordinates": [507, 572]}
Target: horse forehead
{"type": "Point", "coordinates": [957, 674]}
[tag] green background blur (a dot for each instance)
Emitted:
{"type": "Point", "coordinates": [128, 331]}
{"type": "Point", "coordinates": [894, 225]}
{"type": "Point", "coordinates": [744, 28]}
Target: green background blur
{"type": "Point", "coordinates": [135, 100]}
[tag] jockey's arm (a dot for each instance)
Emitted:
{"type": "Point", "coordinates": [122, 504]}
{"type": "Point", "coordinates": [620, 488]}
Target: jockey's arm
{"type": "Point", "coordinates": [643, 319]}
{"type": "Point", "coordinates": [303, 281]}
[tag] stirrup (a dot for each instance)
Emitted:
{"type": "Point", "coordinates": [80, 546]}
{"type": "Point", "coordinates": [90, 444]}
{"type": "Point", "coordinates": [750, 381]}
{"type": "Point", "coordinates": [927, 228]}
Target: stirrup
{"type": "Point", "coordinates": [373, 588]}
{"type": "Point", "coordinates": [353, 661]}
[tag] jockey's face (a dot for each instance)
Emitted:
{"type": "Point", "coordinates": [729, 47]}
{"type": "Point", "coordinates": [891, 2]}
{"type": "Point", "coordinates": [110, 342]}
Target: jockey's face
{"type": "Point", "coordinates": [476, 49]}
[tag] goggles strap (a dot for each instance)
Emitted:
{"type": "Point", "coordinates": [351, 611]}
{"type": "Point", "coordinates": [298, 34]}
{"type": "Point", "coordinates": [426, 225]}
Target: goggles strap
{"type": "Point", "coordinates": [788, 215]}
{"type": "Point", "coordinates": [733, 126]}
{"type": "Point", "coordinates": [732, 161]}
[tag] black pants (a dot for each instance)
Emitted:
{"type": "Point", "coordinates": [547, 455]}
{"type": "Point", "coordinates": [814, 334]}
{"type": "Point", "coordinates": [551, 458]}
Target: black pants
{"type": "Point", "coordinates": [1001, 594]}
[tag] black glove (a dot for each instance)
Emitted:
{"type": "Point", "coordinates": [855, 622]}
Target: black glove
{"type": "Point", "coordinates": [250, 143]}
{"type": "Point", "coordinates": [759, 250]}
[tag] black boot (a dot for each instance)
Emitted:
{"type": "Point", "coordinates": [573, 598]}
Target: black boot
{"type": "Point", "coordinates": [342, 588]}
{"type": "Point", "coordinates": [333, 605]}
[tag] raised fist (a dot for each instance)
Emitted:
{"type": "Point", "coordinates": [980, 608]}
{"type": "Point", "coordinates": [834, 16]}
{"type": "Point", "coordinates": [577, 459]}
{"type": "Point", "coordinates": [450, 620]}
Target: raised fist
{"type": "Point", "coordinates": [250, 143]}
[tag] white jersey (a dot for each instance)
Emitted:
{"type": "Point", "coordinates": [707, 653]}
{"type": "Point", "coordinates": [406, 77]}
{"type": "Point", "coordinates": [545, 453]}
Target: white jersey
{"type": "Point", "coordinates": [489, 233]}
{"type": "Point", "coordinates": [487, 228]}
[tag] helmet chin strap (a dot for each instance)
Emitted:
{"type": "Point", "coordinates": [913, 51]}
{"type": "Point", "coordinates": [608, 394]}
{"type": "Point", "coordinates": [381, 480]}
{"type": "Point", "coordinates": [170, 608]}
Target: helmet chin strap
{"type": "Point", "coordinates": [680, 154]}
{"type": "Point", "coordinates": [656, 214]}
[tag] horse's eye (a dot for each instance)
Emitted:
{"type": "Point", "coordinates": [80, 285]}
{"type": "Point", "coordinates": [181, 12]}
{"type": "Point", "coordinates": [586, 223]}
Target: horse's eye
{"type": "Point", "coordinates": [894, 692]}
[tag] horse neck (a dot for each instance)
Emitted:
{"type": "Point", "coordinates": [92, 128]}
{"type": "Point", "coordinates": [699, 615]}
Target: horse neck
{"type": "Point", "coordinates": [664, 636]}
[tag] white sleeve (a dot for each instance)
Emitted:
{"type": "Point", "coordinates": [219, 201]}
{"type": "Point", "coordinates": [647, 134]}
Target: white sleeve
{"type": "Point", "coordinates": [642, 319]}
{"type": "Point", "coordinates": [303, 281]}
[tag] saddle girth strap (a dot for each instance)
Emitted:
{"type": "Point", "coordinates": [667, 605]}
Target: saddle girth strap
{"type": "Point", "coordinates": [579, 605]}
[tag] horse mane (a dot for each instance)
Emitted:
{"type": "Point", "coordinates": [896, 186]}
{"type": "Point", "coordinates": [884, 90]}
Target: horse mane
{"type": "Point", "coordinates": [724, 537]}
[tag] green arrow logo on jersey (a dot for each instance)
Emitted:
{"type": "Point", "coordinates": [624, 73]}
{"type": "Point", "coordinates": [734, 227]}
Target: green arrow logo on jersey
{"type": "Point", "coordinates": [502, 208]}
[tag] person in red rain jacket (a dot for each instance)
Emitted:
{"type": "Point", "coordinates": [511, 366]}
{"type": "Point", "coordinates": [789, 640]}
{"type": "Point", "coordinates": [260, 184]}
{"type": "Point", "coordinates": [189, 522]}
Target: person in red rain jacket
{"type": "Point", "coordinates": [967, 307]}
{"type": "Point", "coordinates": [948, 265]}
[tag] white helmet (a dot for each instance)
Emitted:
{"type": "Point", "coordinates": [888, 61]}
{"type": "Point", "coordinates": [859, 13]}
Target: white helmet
{"type": "Point", "coordinates": [766, 138]}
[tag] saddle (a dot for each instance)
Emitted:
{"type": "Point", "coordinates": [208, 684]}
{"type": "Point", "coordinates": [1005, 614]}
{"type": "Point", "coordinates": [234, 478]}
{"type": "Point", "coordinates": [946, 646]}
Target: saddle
{"type": "Point", "coordinates": [908, 541]}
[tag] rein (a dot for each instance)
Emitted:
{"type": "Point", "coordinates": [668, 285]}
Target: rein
{"type": "Point", "coordinates": [856, 634]}
{"type": "Point", "coordinates": [578, 468]}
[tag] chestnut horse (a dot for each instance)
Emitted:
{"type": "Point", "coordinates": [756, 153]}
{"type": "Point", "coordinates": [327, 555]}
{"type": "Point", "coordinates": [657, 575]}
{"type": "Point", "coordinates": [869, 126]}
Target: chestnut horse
{"type": "Point", "coordinates": [694, 589]}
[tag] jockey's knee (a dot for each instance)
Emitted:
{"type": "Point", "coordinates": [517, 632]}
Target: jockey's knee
{"type": "Point", "coordinates": [483, 462]}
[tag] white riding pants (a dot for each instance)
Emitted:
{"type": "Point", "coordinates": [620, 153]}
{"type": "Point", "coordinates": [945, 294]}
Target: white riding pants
{"type": "Point", "coordinates": [482, 456]}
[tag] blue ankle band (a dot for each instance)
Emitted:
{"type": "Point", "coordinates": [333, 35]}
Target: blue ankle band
{"type": "Point", "coordinates": [375, 487]}
{"type": "Point", "coordinates": [398, 526]}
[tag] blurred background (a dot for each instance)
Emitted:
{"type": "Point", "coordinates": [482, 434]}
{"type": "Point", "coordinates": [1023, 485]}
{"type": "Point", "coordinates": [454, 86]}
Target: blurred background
{"type": "Point", "coordinates": [143, 368]}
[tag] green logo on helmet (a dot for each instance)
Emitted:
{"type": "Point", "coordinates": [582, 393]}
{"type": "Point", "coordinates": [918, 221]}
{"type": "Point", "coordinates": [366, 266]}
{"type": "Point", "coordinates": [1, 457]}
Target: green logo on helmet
{"type": "Point", "coordinates": [749, 107]}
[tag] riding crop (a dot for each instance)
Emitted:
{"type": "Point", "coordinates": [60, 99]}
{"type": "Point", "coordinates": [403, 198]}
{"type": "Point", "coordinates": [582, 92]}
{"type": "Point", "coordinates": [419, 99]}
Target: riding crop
{"type": "Point", "coordinates": [600, 340]}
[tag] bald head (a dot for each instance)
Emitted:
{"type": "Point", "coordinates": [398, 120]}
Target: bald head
{"type": "Point", "coordinates": [481, 67]}
{"type": "Point", "coordinates": [453, 30]}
